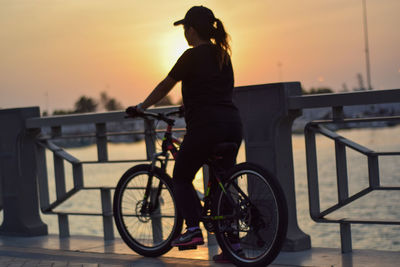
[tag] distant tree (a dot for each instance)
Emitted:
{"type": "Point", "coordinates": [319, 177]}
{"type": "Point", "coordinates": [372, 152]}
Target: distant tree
{"type": "Point", "coordinates": [62, 112]}
{"type": "Point", "coordinates": [113, 104]}
{"type": "Point", "coordinates": [85, 104]}
{"type": "Point", "coordinates": [166, 101]}
{"type": "Point", "coordinates": [322, 90]}
{"type": "Point", "coordinates": [108, 103]}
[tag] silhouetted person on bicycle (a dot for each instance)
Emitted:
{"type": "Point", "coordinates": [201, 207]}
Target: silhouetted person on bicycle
{"type": "Point", "coordinates": [211, 117]}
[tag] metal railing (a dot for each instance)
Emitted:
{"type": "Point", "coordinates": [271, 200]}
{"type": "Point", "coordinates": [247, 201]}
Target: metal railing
{"type": "Point", "coordinates": [344, 199]}
{"type": "Point", "coordinates": [60, 156]}
{"type": "Point", "coordinates": [336, 102]}
{"type": "Point", "coordinates": [267, 140]}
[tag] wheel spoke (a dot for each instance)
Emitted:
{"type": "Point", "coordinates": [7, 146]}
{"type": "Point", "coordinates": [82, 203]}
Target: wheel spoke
{"type": "Point", "coordinates": [261, 222]}
{"type": "Point", "coordinates": [146, 224]}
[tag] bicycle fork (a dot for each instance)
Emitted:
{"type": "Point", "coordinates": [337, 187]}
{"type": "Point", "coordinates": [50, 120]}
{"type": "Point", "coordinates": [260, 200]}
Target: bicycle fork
{"type": "Point", "coordinates": [153, 193]}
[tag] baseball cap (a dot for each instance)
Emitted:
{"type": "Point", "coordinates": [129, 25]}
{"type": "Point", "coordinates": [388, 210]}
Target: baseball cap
{"type": "Point", "coordinates": [199, 17]}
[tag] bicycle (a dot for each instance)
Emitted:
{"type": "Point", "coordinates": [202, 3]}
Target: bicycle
{"type": "Point", "coordinates": [246, 202]}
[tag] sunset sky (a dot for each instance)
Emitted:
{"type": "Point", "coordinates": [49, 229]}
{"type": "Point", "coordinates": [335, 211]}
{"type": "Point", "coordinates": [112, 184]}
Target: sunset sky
{"type": "Point", "coordinates": [53, 52]}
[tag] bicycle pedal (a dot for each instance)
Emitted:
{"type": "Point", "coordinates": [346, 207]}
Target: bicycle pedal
{"type": "Point", "coordinates": [187, 247]}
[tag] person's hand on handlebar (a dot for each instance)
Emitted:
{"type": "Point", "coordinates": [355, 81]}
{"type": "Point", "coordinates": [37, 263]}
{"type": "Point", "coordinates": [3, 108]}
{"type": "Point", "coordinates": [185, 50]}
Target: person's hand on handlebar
{"type": "Point", "coordinates": [134, 111]}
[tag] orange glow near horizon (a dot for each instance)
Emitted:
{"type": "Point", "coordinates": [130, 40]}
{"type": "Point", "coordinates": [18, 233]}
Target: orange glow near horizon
{"type": "Point", "coordinates": [63, 49]}
{"type": "Point", "coordinates": [174, 44]}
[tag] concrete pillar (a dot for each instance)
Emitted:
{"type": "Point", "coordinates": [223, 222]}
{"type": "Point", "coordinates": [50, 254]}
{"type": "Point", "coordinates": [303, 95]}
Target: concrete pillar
{"type": "Point", "coordinates": [267, 123]}
{"type": "Point", "coordinates": [18, 174]}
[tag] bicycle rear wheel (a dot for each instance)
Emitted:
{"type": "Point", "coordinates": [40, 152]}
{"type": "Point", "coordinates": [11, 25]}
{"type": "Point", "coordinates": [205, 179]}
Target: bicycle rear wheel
{"type": "Point", "coordinates": [147, 227]}
{"type": "Point", "coordinates": [254, 237]}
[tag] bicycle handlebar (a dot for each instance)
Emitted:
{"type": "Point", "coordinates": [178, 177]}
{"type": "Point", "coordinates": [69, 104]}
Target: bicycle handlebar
{"type": "Point", "coordinates": [159, 116]}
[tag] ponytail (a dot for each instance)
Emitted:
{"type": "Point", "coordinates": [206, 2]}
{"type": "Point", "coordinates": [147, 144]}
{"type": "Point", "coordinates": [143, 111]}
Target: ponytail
{"type": "Point", "coordinates": [210, 28]}
{"type": "Point", "coordinates": [221, 39]}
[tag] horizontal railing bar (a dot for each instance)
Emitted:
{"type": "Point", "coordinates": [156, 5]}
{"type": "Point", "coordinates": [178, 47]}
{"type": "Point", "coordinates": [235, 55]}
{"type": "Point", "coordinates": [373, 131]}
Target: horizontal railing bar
{"type": "Point", "coordinates": [345, 202]}
{"type": "Point", "coordinates": [109, 187]}
{"type": "Point", "coordinates": [118, 161]}
{"type": "Point", "coordinates": [344, 99]}
{"type": "Point", "coordinates": [124, 133]}
{"type": "Point", "coordinates": [360, 221]}
{"type": "Point", "coordinates": [388, 188]}
{"type": "Point", "coordinates": [97, 187]}
{"type": "Point", "coordinates": [362, 120]}
{"type": "Point", "coordinates": [152, 216]}
{"type": "Point", "coordinates": [92, 135]}
{"type": "Point", "coordinates": [88, 135]}
{"type": "Point", "coordinates": [114, 161]}
{"type": "Point", "coordinates": [104, 214]}
{"type": "Point", "coordinates": [176, 130]}
{"type": "Point", "coordinates": [85, 118]}
{"type": "Point", "coordinates": [78, 213]}
{"type": "Point", "coordinates": [113, 187]}
{"type": "Point", "coordinates": [49, 137]}
{"type": "Point", "coordinates": [393, 153]}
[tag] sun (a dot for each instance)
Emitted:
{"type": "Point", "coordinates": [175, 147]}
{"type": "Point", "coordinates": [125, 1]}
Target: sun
{"type": "Point", "coordinates": [173, 46]}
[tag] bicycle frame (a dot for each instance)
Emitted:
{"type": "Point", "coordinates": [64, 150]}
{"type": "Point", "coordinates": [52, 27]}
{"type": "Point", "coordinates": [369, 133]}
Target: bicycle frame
{"type": "Point", "coordinates": [170, 146]}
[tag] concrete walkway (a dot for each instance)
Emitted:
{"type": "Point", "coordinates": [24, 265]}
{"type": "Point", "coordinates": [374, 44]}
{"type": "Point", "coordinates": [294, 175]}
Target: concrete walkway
{"type": "Point", "coordinates": [92, 251]}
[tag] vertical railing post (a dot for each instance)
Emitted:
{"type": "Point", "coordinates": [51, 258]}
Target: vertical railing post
{"type": "Point", "coordinates": [373, 171]}
{"type": "Point", "coordinates": [341, 171]}
{"type": "Point", "coordinates": [150, 136]}
{"type": "Point", "coordinates": [63, 225]}
{"type": "Point", "coordinates": [55, 131]}
{"type": "Point", "coordinates": [77, 174]}
{"type": "Point", "coordinates": [156, 223]}
{"type": "Point", "coordinates": [42, 177]}
{"type": "Point", "coordinates": [343, 192]}
{"type": "Point", "coordinates": [312, 170]}
{"type": "Point", "coordinates": [59, 175]}
{"type": "Point", "coordinates": [101, 141]}
{"type": "Point", "coordinates": [337, 113]}
{"type": "Point", "coordinates": [108, 227]}
{"type": "Point", "coordinates": [18, 174]}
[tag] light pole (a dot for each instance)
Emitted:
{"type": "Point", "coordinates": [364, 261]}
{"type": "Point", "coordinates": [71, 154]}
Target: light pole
{"type": "Point", "coordinates": [366, 45]}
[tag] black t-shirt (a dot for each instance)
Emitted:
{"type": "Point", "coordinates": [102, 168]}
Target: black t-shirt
{"type": "Point", "coordinates": [206, 88]}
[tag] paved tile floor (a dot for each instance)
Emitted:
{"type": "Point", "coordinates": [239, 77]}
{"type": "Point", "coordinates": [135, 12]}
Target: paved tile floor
{"type": "Point", "coordinates": [93, 251]}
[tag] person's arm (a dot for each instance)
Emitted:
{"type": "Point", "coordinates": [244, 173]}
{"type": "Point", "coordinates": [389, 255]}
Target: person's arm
{"type": "Point", "coordinates": [161, 90]}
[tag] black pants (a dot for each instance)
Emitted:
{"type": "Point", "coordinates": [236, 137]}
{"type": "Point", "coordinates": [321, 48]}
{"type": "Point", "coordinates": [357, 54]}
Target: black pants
{"type": "Point", "coordinates": [196, 147]}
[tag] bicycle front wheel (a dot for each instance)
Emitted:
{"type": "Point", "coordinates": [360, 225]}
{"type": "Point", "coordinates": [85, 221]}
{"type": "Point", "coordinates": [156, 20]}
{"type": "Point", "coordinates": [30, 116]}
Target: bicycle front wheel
{"type": "Point", "coordinates": [252, 214]}
{"type": "Point", "coordinates": [149, 223]}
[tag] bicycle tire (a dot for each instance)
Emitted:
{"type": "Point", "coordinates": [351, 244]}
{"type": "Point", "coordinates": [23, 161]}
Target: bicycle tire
{"type": "Point", "coordinates": [262, 226]}
{"type": "Point", "coordinates": [153, 241]}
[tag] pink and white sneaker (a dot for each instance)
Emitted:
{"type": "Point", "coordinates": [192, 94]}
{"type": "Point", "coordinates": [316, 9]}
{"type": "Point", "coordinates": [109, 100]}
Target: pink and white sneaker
{"type": "Point", "coordinates": [189, 238]}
